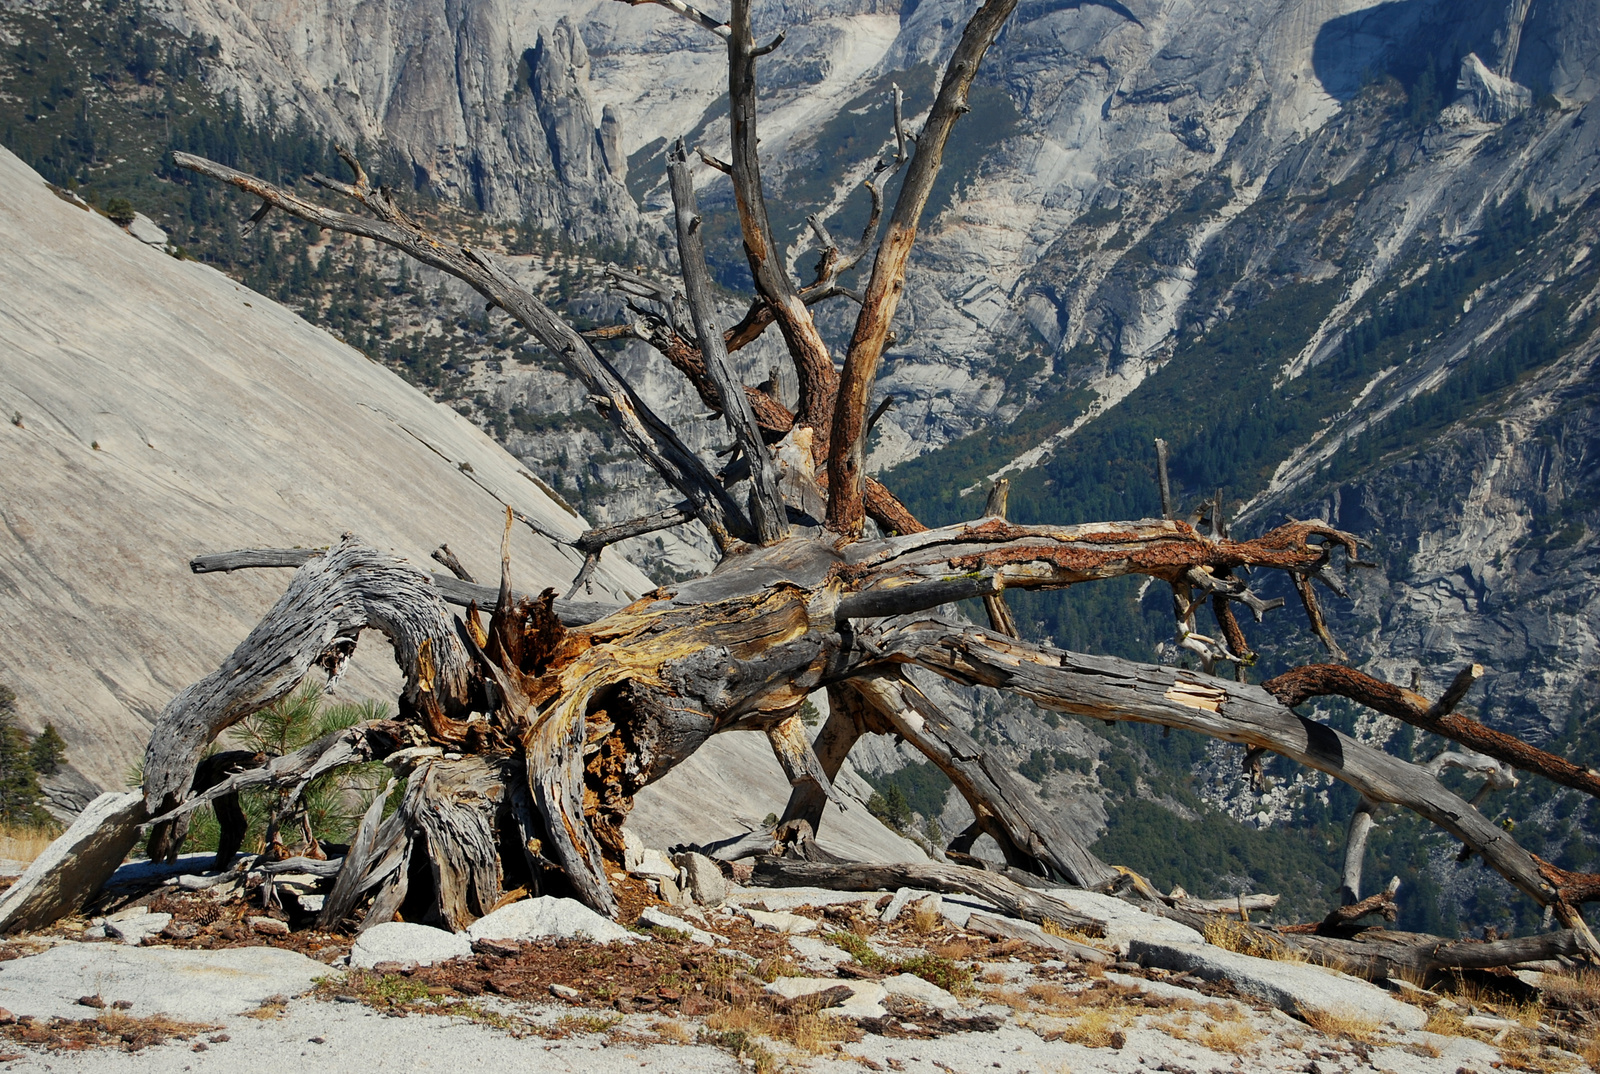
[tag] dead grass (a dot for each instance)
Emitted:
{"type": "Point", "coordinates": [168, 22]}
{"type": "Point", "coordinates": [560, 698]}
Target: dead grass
{"type": "Point", "coordinates": [1233, 1037]}
{"type": "Point", "coordinates": [673, 1031]}
{"type": "Point", "coordinates": [271, 1008]}
{"type": "Point", "coordinates": [926, 917]}
{"type": "Point", "coordinates": [1098, 1028]}
{"type": "Point", "coordinates": [741, 1028]}
{"type": "Point", "coordinates": [1344, 1025]}
{"type": "Point", "coordinates": [18, 843]}
{"type": "Point", "coordinates": [1231, 935]}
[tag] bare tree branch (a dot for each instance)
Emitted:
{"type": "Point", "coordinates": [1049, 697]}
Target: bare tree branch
{"type": "Point", "coordinates": [653, 438]}
{"type": "Point", "coordinates": [847, 449]}
{"type": "Point", "coordinates": [813, 363]}
{"type": "Point", "coordinates": [766, 503]}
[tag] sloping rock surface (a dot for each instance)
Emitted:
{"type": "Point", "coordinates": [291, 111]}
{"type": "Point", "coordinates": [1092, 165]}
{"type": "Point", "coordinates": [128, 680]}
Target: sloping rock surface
{"type": "Point", "coordinates": [188, 985]}
{"type": "Point", "coordinates": [156, 410]}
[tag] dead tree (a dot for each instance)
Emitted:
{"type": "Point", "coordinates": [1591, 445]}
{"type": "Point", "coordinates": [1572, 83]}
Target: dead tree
{"type": "Point", "coordinates": [521, 742]}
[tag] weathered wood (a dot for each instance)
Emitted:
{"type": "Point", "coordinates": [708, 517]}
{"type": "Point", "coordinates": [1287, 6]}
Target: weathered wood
{"type": "Point", "coordinates": [641, 427]}
{"type": "Point", "coordinates": [1108, 688]}
{"type": "Point", "coordinates": [1000, 617]}
{"type": "Point", "coordinates": [1379, 955]}
{"type": "Point", "coordinates": [455, 591]}
{"type": "Point", "coordinates": [1321, 680]}
{"type": "Point", "coordinates": [1030, 839]}
{"type": "Point", "coordinates": [314, 625]}
{"type": "Point", "coordinates": [766, 505]}
{"type": "Point", "coordinates": [847, 720]}
{"type": "Point", "coordinates": [812, 362]}
{"type": "Point", "coordinates": [1011, 897]}
{"type": "Point", "coordinates": [847, 455]}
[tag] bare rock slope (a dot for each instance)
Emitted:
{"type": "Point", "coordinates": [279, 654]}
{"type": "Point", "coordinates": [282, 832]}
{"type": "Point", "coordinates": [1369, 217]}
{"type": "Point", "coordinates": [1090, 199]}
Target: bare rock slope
{"type": "Point", "coordinates": [155, 410]}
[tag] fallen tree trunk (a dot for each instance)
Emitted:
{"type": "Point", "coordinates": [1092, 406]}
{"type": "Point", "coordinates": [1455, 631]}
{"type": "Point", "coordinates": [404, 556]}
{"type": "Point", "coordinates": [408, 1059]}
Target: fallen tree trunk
{"type": "Point", "coordinates": [1013, 898]}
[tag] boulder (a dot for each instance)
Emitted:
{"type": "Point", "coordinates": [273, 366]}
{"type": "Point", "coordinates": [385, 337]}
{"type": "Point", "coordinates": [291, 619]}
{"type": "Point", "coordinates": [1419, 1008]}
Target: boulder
{"type": "Point", "coordinates": [547, 917]}
{"type": "Point", "coordinates": [131, 927]}
{"type": "Point", "coordinates": [902, 898]}
{"type": "Point", "coordinates": [204, 986]}
{"type": "Point", "coordinates": [1121, 922]}
{"type": "Point", "coordinates": [659, 918]}
{"type": "Point", "coordinates": [146, 230]}
{"type": "Point", "coordinates": [653, 863]}
{"type": "Point", "coordinates": [73, 867]}
{"type": "Point", "coordinates": [1293, 987]}
{"type": "Point", "coordinates": [911, 986]}
{"type": "Point", "coordinates": [866, 997]}
{"type": "Point", "coordinates": [818, 953]}
{"type": "Point", "coordinates": [406, 943]}
{"type": "Point", "coordinates": [707, 885]}
{"type": "Point", "coordinates": [787, 924]}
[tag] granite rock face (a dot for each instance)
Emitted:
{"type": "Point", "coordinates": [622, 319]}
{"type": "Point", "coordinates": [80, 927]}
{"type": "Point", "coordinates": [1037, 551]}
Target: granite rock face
{"type": "Point", "coordinates": [158, 410]}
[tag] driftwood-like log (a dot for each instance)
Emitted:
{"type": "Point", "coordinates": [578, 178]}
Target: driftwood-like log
{"type": "Point", "coordinates": [1009, 896]}
{"type": "Point", "coordinates": [1107, 688]}
{"type": "Point", "coordinates": [523, 743]}
{"type": "Point", "coordinates": [1379, 955]}
{"type": "Point", "coordinates": [1029, 839]}
{"type": "Point", "coordinates": [1322, 680]}
{"type": "Point", "coordinates": [330, 601]}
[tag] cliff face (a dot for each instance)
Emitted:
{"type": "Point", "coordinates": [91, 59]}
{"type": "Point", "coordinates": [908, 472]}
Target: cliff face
{"type": "Point", "coordinates": [483, 111]}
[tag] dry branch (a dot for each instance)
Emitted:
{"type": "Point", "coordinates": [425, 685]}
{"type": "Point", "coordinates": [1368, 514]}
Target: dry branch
{"type": "Point", "coordinates": [847, 455]}
{"type": "Point", "coordinates": [1322, 680]}
{"type": "Point", "coordinates": [766, 505]}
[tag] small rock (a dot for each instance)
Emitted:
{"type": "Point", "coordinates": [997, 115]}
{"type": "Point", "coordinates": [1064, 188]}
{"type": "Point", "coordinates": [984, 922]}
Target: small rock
{"type": "Point", "coordinates": [92, 1001]}
{"type": "Point", "coordinates": [181, 930]}
{"type": "Point", "coordinates": [660, 919]}
{"type": "Point", "coordinates": [866, 999]}
{"type": "Point", "coordinates": [706, 883]}
{"type": "Point", "coordinates": [401, 941]}
{"type": "Point", "coordinates": [7, 1018]}
{"type": "Point", "coordinates": [145, 230]}
{"type": "Point", "coordinates": [502, 948]}
{"type": "Point", "coordinates": [913, 987]}
{"type": "Point", "coordinates": [667, 889]}
{"type": "Point", "coordinates": [898, 902]}
{"type": "Point", "coordinates": [818, 952]}
{"type": "Point", "coordinates": [312, 904]}
{"type": "Point", "coordinates": [652, 862]}
{"type": "Point", "coordinates": [123, 1005]}
{"type": "Point", "coordinates": [94, 932]}
{"type": "Point", "coordinates": [269, 926]}
{"type": "Point", "coordinates": [547, 917]}
{"type": "Point", "coordinates": [132, 928]}
{"type": "Point", "coordinates": [561, 991]}
{"type": "Point", "coordinates": [788, 924]}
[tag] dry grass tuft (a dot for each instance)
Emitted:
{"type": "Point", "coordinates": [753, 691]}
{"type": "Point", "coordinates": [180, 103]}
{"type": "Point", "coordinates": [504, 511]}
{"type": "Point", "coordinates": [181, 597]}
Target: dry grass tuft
{"type": "Point", "coordinates": [24, 843]}
{"type": "Point", "coordinates": [1233, 1037]}
{"type": "Point", "coordinates": [1231, 935]}
{"type": "Point", "coordinates": [1097, 1028]}
{"type": "Point", "coordinates": [271, 1008]}
{"type": "Point", "coordinates": [925, 917]}
{"type": "Point", "coordinates": [1342, 1024]}
{"type": "Point", "coordinates": [670, 1030]}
